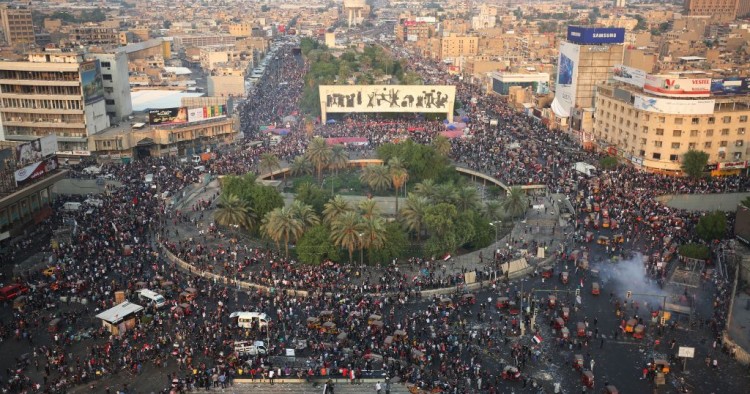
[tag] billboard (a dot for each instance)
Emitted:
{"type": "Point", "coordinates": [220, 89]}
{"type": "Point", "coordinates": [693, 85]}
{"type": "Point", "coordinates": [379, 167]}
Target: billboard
{"type": "Point", "coordinates": [387, 98]}
{"type": "Point", "coordinates": [675, 107]}
{"type": "Point", "coordinates": [567, 76]}
{"type": "Point", "coordinates": [175, 115]}
{"type": "Point", "coordinates": [209, 112]}
{"type": "Point", "coordinates": [92, 84]}
{"type": "Point", "coordinates": [629, 75]}
{"type": "Point", "coordinates": [732, 85]}
{"type": "Point", "coordinates": [677, 87]}
{"type": "Point", "coordinates": [36, 150]}
{"type": "Point", "coordinates": [596, 35]}
{"type": "Point", "coordinates": [36, 170]}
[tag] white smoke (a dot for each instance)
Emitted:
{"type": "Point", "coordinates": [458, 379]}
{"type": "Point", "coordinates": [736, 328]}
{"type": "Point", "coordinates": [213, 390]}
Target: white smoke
{"type": "Point", "coordinates": [629, 275]}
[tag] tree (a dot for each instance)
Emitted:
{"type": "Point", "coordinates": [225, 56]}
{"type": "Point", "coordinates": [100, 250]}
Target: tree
{"type": "Point", "coordinates": [493, 210]}
{"type": "Point", "coordinates": [265, 199]}
{"type": "Point", "coordinates": [335, 208]}
{"type": "Point", "coordinates": [426, 189]}
{"type": "Point", "coordinates": [281, 224]}
{"type": "Point", "coordinates": [515, 202]}
{"type": "Point", "coordinates": [442, 145]}
{"type": "Point", "coordinates": [395, 246]}
{"type": "Point", "coordinates": [412, 214]}
{"type": "Point", "coordinates": [445, 193]}
{"type": "Point", "coordinates": [695, 251]}
{"type": "Point", "coordinates": [231, 211]}
{"type": "Point", "coordinates": [712, 226]}
{"type": "Point", "coordinates": [345, 232]}
{"type": "Point", "coordinates": [313, 195]}
{"type": "Point", "coordinates": [369, 208]}
{"type": "Point", "coordinates": [305, 214]}
{"type": "Point", "coordinates": [319, 154]}
{"type": "Point", "coordinates": [301, 166]}
{"type": "Point", "coordinates": [315, 246]}
{"type": "Point", "coordinates": [376, 177]}
{"type": "Point", "coordinates": [467, 199]}
{"type": "Point", "coordinates": [608, 162]}
{"type": "Point", "coordinates": [483, 232]}
{"type": "Point", "coordinates": [693, 163]}
{"type": "Point", "coordinates": [373, 233]}
{"type": "Point", "coordinates": [339, 158]}
{"type": "Point", "coordinates": [399, 176]}
{"type": "Point", "coordinates": [269, 162]}
{"type": "Point", "coordinates": [440, 218]}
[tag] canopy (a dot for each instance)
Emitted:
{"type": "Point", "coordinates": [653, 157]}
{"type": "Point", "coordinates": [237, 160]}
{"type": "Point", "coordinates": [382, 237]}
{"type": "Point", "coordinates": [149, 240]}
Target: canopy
{"type": "Point", "coordinates": [560, 109]}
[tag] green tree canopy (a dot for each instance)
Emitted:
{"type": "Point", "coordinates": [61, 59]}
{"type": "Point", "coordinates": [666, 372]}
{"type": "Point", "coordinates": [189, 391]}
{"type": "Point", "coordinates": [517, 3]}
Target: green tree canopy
{"type": "Point", "coordinates": [608, 162]}
{"type": "Point", "coordinates": [397, 243]}
{"type": "Point", "coordinates": [712, 226]}
{"type": "Point", "coordinates": [693, 163]}
{"type": "Point", "coordinates": [315, 246]}
{"type": "Point", "coordinates": [312, 195]}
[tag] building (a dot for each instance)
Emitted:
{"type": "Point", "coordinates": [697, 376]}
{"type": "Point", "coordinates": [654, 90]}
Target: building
{"type": "Point", "coordinates": [586, 59]}
{"type": "Point", "coordinates": [414, 31]}
{"type": "Point", "coordinates": [94, 35]}
{"type": "Point", "coordinates": [743, 8]}
{"type": "Point", "coordinates": [182, 42]}
{"type": "Point", "coordinates": [619, 3]}
{"type": "Point", "coordinates": [16, 25]}
{"type": "Point", "coordinates": [355, 11]}
{"type": "Point", "coordinates": [226, 81]}
{"type": "Point", "coordinates": [115, 76]}
{"type": "Point", "coordinates": [454, 46]}
{"type": "Point", "coordinates": [212, 55]}
{"type": "Point", "coordinates": [653, 121]}
{"type": "Point", "coordinates": [538, 83]}
{"type": "Point", "coordinates": [241, 29]}
{"type": "Point", "coordinates": [720, 10]}
{"type": "Point", "coordinates": [53, 93]}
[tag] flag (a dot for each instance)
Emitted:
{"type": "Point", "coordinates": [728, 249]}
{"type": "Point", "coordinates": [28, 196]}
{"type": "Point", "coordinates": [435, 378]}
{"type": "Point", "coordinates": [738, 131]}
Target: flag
{"type": "Point", "coordinates": [537, 339]}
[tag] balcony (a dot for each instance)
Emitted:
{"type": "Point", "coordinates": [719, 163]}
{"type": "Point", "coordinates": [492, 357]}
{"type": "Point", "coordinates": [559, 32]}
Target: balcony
{"type": "Point", "coordinates": [44, 124]}
{"type": "Point", "coordinates": [37, 82]}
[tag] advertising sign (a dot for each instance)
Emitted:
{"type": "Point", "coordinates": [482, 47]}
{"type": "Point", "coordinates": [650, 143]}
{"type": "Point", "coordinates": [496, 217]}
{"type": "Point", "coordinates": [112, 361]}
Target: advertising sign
{"type": "Point", "coordinates": [36, 170]}
{"type": "Point", "coordinates": [733, 85]}
{"type": "Point", "coordinates": [732, 165]}
{"type": "Point", "coordinates": [567, 75]}
{"type": "Point", "coordinates": [36, 150]}
{"type": "Point", "coordinates": [677, 87]}
{"type": "Point", "coordinates": [596, 35]}
{"type": "Point", "coordinates": [209, 112]}
{"type": "Point", "coordinates": [387, 98]}
{"type": "Point", "coordinates": [676, 107]}
{"type": "Point", "coordinates": [686, 352]}
{"type": "Point", "coordinates": [175, 115]}
{"type": "Point", "coordinates": [91, 82]}
{"type": "Point", "coordinates": [629, 75]}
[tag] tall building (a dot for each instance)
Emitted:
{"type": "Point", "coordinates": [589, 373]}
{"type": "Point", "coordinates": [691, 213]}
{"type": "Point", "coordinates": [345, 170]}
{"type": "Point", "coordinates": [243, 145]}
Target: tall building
{"type": "Point", "coordinates": [115, 77]}
{"type": "Point", "coordinates": [453, 46]}
{"type": "Point", "coordinates": [53, 93]}
{"type": "Point", "coordinates": [743, 8]}
{"type": "Point", "coordinates": [720, 10]}
{"type": "Point", "coordinates": [16, 25]}
{"type": "Point", "coordinates": [619, 3]}
{"type": "Point", "coordinates": [586, 59]}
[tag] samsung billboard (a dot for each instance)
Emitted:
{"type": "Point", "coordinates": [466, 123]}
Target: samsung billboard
{"type": "Point", "coordinates": [596, 35]}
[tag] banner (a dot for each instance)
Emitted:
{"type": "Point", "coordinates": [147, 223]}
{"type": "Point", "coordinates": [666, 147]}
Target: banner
{"type": "Point", "coordinates": [629, 75]}
{"type": "Point", "coordinates": [677, 87]}
{"type": "Point", "coordinates": [36, 150]}
{"type": "Point", "coordinates": [387, 98]}
{"type": "Point", "coordinates": [596, 35]}
{"type": "Point", "coordinates": [675, 107]}
{"type": "Point", "coordinates": [567, 76]}
{"type": "Point", "coordinates": [175, 115]}
{"type": "Point", "coordinates": [733, 165]}
{"type": "Point", "coordinates": [209, 112]}
{"type": "Point", "coordinates": [92, 84]}
{"type": "Point", "coordinates": [34, 171]}
{"type": "Point", "coordinates": [732, 85]}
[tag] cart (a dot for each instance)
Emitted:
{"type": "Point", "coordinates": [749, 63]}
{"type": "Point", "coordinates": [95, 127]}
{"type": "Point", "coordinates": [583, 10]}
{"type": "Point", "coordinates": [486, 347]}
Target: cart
{"type": "Point", "coordinates": [552, 302]}
{"type": "Point", "coordinates": [602, 240]}
{"type": "Point", "coordinates": [581, 329]}
{"type": "Point", "coordinates": [587, 379]}
{"type": "Point", "coordinates": [564, 277]}
{"type": "Point", "coordinates": [565, 313]}
{"type": "Point", "coordinates": [511, 373]}
{"type": "Point", "coordinates": [660, 365]}
{"type": "Point", "coordinates": [630, 325]}
{"type": "Point", "coordinates": [513, 309]}
{"type": "Point", "coordinates": [502, 302]}
{"type": "Point", "coordinates": [589, 236]}
{"type": "Point", "coordinates": [564, 333]}
{"type": "Point", "coordinates": [326, 316]}
{"type": "Point", "coordinates": [559, 323]}
{"type": "Point", "coordinates": [619, 238]}
{"type": "Point", "coordinates": [468, 299]}
{"type": "Point", "coordinates": [313, 323]}
{"type": "Point", "coordinates": [578, 362]}
{"type": "Point", "coordinates": [639, 331]}
{"type": "Point", "coordinates": [610, 389]}
{"type": "Point", "coordinates": [595, 288]}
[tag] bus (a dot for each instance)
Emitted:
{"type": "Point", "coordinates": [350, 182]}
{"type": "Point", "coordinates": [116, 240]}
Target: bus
{"type": "Point", "coordinates": [152, 297]}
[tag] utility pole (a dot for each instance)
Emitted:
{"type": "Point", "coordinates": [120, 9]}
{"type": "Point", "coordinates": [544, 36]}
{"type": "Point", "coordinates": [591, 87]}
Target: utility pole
{"type": "Point", "coordinates": [730, 315]}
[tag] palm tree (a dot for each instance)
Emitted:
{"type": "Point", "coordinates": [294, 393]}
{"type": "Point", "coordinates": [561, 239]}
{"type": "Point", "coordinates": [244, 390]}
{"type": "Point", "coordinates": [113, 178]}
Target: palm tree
{"type": "Point", "coordinates": [467, 198]}
{"type": "Point", "coordinates": [373, 233]}
{"type": "Point", "coordinates": [301, 166]}
{"type": "Point", "coordinates": [319, 154]}
{"type": "Point", "coordinates": [515, 202]}
{"type": "Point", "coordinates": [426, 189]}
{"type": "Point", "coordinates": [305, 214]}
{"type": "Point", "coordinates": [399, 175]}
{"type": "Point", "coordinates": [493, 210]}
{"type": "Point", "coordinates": [339, 158]}
{"type": "Point", "coordinates": [369, 208]}
{"type": "Point", "coordinates": [345, 232]}
{"type": "Point", "coordinates": [234, 212]}
{"type": "Point", "coordinates": [269, 162]}
{"type": "Point", "coordinates": [281, 223]}
{"type": "Point", "coordinates": [445, 193]}
{"type": "Point", "coordinates": [412, 214]}
{"type": "Point", "coordinates": [376, 177]}
{"type": "Point", "coordinates": [335, 208]}
{"type": "Point", "coordinates": [442, 145]}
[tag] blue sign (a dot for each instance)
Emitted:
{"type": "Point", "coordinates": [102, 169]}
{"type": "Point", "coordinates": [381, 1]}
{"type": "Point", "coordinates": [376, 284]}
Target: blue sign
{"type": "Point", "coordinates": [728, 86]}
{"type": "Point", "coordinates": [596, 35]}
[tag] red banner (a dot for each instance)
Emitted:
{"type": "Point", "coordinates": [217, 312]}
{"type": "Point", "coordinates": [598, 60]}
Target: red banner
{"type": "Point", "coordinates": [34, 171]}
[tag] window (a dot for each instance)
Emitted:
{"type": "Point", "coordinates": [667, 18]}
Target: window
{"type": "Point", "coordinates": [737, 155]}
{"type": "Point", "coordinates": [643, 141]}
{"type": "Point", "coordinates": [739, 143]}
{"type": "Point", "coordinates": [674, 158]}
{"type": "Point", "coordinates": [695, 121]}
{"type": "Point", "coordinates": [641, 153]}
{"type": "Point", "coordinates": [692, 146]}
{"type": "Point", "coordinates": [707, 145]}
{"type": "Point", "coordinates": [657, 144]}
{"type": "Point", "coordinates": [711, 120]}
{"type": "Point", "coordinates": [743, 118]}
{"type": "Point", "coordinates": [676, 133]}
{"type": "Point", "coordinates": [106, 64]}
{"type": "Point", "coordinates": [109, 102]}
{"type": "Point", "coordinates": [693, 133]}
{"type": "Point", "coordinates": [677, 120]}
{"type": "Point", "coordinates": [107, 77]}
{"type": "Point", "coordinates": [656, 156]}
{"type": "Point", "coordinates": [645, 130]}
{"type": "Point", "coordinates": [724, 131]}
{"type": "Point", "coordinates": [675, 145]}
{"type": "Point", "coordinates": [646, 117]}
{"type": "Point", "coordinates": [662, 119]}
{"type": "Point", "coordinates": [723, 144]}
{"type": "Point", "coordinates": [709, 133]}
{"type": "Point", "coordinates": [722, 155]}
{"type": "Point", "coordinates": [659, 131]}
{"type": "Point", "coordinates": [727, 119]}
{"type": "Point", "coordinates": [741, 131]}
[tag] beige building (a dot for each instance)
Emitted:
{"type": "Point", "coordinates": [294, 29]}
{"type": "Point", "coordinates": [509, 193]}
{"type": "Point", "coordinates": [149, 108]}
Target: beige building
{"type": "Point", "coordinates": [226, 80]}
{"type": "Point", "coordinates": [241, 29]}
{"type": "Point", "coordinates": [94, 35]}
{"type": "Point", "coordinates": [454, 46]}
{"type": "Point", "coordinates": [655, 132]}
{"type": "Point", "coordinates": [16, 25]}
{"type": "Point", "coordinates": [213, 55]}
{"type": "Point", "coordinates": [743, 8]}
{"type": "Point", "coordinates": [641, 58]}
{"type": "Point", "coordinates": [721, 10]}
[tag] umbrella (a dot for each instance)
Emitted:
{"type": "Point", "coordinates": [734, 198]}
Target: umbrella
{"type": "Point", "coordinates": [451, 127]}
{"type": "Point", "coordinates": [331, 121]}
{"type": "Point", "coordinates": [445, 121]}
{"type": "Point", "coordinates": [464, 118]}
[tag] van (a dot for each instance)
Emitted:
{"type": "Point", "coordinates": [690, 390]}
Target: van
{"type": "Point", "coordinates": [248, 348]}
{"type": "Point", "coordinates": [152, 297]}
{"type": "Point", "coordinates": [250, 319]}
{"type": "Point", "coordinates": [10, 292]}
{"type": "Point", "coordinates": [71, 206]}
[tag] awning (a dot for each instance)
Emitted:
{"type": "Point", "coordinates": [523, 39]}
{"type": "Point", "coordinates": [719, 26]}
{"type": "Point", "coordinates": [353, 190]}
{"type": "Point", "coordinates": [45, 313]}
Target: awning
{"type": "Point", "coordinates": [559, 109]}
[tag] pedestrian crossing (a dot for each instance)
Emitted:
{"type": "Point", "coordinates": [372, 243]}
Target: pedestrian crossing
{"type": "Point", "coordinates": [307, 388]}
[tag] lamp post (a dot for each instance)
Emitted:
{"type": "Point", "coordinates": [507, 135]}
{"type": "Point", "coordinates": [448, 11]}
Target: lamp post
{"type": "Point", "coordinates": [361, 249]}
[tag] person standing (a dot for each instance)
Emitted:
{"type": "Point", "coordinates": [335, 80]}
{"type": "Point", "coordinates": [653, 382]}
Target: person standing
{"type": "Point", "coordinates": [378, 387]}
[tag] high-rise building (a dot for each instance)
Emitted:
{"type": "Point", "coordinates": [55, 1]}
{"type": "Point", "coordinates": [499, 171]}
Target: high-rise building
{"type": "Point", "coordinates": [721, 10]}
{"type": "Point", "coordinates": [53, 93]}
{"type": "Point", "coordinates": [619, 3]}
{"type": "Point", "coordinates": [16, 24]}
{"type": "Point", "coordinates": [743, 8]}
{"type": "Point", "coordinates": [115, 77]}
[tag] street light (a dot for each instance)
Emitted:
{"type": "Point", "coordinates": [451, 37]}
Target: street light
{"type": "Point", "coordinates": [361, 249]}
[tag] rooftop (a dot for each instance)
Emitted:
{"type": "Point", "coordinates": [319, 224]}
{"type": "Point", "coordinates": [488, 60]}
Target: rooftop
{"type": "Point", "coordinates": [156, 99]}
{"type": "Point", "coordinates": [119, 312]}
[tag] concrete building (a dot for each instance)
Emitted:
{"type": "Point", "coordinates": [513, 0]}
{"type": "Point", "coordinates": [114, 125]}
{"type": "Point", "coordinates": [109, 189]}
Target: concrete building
{"type": "Point", "coordinates": [641, 58]}
{"type": "Point", "coordinates": [537, 83]}
{"type": "Point", "coordinates": [115, 75]}
{"type": "Point", "coordinates": [94, 35]}
{"type": "Point", "coordinates": [454, 46]}
{"type": "Point", "coordinates": [743, 8]}
{"type": "Point", "coordinates": [720, 10]}
{"type": "Point", "coordinates": [187, 41]}
{"type": "Point", "coordinates": [355, 11]}
{"type": "Point", "coordinates": [241, 29]}
{"type": "Point", "coordinates": [212, 55]}
{"type": "Point", "coordinates": [226, 80]}
{"type": "Point", "coordinates": [654, 132]}
{"type": "Point", "coordinates": [16, 25]}
{"type": "Point", "coordinates": [619, 3]}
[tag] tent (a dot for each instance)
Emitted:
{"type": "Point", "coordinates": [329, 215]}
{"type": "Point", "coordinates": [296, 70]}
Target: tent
{"type": "Point", "coordinates": [451, 127]}
{"type": "Point", "coordinates": [452, 134]}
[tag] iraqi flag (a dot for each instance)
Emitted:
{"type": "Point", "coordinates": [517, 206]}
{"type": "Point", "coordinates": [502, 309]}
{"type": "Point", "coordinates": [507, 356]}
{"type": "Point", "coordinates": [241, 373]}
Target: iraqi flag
{"type": "Point", "coordinates": [537, 339]}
